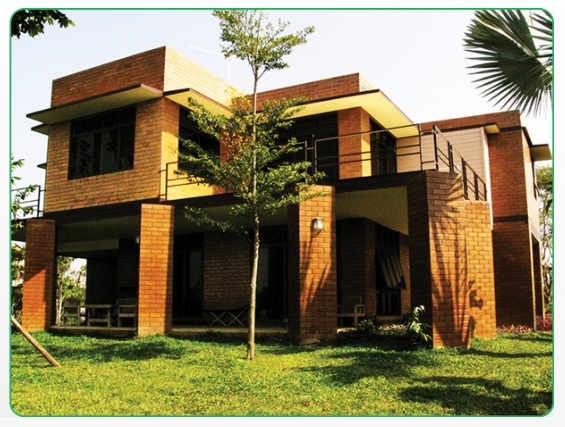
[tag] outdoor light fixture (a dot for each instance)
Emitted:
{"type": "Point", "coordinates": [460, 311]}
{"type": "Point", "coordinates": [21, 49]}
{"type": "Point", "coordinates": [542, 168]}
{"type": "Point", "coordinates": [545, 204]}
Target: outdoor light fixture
{"type": "Point", "coordinates": [137, 240]}
{"type": "Point", "coordinates": [317, 224]}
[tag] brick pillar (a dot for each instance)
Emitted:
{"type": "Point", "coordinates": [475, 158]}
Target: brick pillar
{"type": "Point", "coordinates": [482, 301]}
{"type": "Point", "coordinates": [39, 275]}
{"type": "Point", "coordinates": [355, 150]}
{"type": "Point", "coordinates": [515, 290]}
{"type": "Point", "coordinates": [438, 247]}
{"type": "Point", "coordinates": [312, 269]}
{"type": "Point", "coordinates": [155, 304]}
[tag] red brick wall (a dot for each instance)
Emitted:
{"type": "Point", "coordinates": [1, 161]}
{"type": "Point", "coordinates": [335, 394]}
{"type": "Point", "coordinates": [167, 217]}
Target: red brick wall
{"type": "Point", "coordinates": [155, 269]}
{"type": "Point", "coordinates": [312, 269]}
{"type": "Point", "coordinates": [139, 183]}
{"type": "Point", "coordinates": [452, 273]}
{"type": "Point", "coordinates": [39, 275]}
{"type": "Point", "coordinates": [515, 299]}
{"type": "Point", "coordinates": [357, 275]}
{"type": "Point", "coordinates": [327, 88]}
{"type": "Point", "coordinates": [515, 271]}
{"type": "Point", "coordinates": [354, 151]}
{"type": "Point", "coordinates": [146, 67]}
{"type": "Point", "coordinates": [480, 266]}
{"type": "Point", "coordinates": [227, 271]}
{"type": "Point", "coordinates": [160, 68]}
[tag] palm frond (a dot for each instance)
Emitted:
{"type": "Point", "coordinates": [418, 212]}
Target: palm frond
{"type": "Point", "coordinates": [511, 68]}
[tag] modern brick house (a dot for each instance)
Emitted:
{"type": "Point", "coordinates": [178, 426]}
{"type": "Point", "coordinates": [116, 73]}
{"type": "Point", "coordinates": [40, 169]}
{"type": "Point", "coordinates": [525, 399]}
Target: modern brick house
{"type": "Point", "coordinates": [442, 214]}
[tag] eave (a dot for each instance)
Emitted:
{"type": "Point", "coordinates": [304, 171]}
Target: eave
{"type": "Point", "coordinates": [374, 102]}
{"type": "Point", "coordinates": [97, 104]}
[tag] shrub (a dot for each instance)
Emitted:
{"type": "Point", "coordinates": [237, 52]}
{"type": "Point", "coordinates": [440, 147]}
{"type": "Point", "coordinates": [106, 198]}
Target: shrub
{"type": "Point", "coordinates": [544, 323]}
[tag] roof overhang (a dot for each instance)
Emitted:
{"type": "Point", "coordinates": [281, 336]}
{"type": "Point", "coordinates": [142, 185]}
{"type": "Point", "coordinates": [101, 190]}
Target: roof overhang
{"type": "Point", "coordinates": [540, 153]}
{"type": "Point", "coordinates": [375, 102]}
{"type": "Point", "coordinates": [98, 104]}
{"type": "Point", "coordinates": [181, 97]}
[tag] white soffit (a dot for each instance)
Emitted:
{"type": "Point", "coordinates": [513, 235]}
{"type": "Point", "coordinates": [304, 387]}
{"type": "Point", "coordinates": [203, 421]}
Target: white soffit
{"type": "Point", "coordinates": [181, 97]}
{"type": "Point", "coordinates": [376, 103]}
{"type": "Point", "coordinates": [98, 104]}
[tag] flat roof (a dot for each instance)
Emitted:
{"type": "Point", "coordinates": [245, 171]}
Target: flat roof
{"type": "Point", "coordinates": [97, 104]}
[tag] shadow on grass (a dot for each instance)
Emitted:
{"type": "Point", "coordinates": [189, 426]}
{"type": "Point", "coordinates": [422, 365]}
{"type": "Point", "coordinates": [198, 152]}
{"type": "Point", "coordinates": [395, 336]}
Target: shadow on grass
{"type": "Point", "coordinates": [95, 349]}
{"type": "Point", "coordinates": [476, 396]}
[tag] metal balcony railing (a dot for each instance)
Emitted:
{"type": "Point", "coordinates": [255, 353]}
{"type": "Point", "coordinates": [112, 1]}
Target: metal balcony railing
{"type": "Point", "coordinates": [424, 150]}
{"type": "Point", "coordinates": [29, 203]}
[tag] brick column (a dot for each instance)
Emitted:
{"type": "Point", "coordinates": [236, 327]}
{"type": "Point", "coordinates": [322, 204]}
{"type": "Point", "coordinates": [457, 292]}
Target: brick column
{"type": "Point", "coordinates": [155, 305]}
{"type": "Point", "coordinates": [480, 263]}
{"type": "Point", "coordinates": [312, 269]}
{"type": "Point", "coordinates": [451, 259]}
{"type": "Point", "coordinates": [39, 275]}
{"type": "Point", "coordinates": [355, 151]}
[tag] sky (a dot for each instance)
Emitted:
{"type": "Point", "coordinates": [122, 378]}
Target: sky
{"type": "Point", "coordinates": [414, 56]}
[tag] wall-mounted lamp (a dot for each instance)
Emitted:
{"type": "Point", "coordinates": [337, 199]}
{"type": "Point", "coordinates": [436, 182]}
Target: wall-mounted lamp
{"type": "Point", "coordinates": [137, 240]}
{"type": "Point", "coordinates": [317, 224]}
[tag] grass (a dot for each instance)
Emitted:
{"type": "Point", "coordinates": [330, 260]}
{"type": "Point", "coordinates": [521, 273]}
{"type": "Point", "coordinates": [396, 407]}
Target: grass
{"type": "Point", "coordinates": [163, 376]}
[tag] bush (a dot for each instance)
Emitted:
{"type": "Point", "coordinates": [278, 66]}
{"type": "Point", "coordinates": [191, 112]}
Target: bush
{"type": "Point", "coordinates": [544, 323]}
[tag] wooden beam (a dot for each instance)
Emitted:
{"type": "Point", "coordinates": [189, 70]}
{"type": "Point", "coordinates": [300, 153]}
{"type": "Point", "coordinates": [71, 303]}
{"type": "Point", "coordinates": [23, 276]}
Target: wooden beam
{"type": "Point", "coordinates": [35, 343]}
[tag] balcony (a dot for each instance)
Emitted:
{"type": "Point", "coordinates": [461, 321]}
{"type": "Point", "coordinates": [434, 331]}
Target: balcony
{"type": "Point", "coordinates": [360, 155]}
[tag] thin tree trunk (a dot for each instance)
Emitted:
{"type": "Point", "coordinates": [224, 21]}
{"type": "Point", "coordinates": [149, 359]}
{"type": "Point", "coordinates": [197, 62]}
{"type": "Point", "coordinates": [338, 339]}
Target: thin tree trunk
{"type": "Point", "coordinates": [34, 343]}
{"type": "Point", "coordinates": [253, 293]}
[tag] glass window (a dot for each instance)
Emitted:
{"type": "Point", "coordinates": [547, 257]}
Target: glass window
{"type": "Point", "coordinates": [102, 144]}
{"type": "Point", "coordinates": [383, 149]}
{"type": "Point", "coordinates": [317, 133]}
{"type": "Point", "coordinates": [188, 129]}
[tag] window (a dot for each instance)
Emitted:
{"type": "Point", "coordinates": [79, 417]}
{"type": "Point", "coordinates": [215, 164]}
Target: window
{"type": "Point", "coordinates": [317, 132]}
{"type": "Point", "coordinates": [188, 129]}
{"type": "Point", "coordinates": [102, 144]}
{"type": "Point", "coordinates": [389, 268]}
{"type": "Point", "coordinates": [383, 150]}
{"type": "Point", "coordinates": [390, 277]}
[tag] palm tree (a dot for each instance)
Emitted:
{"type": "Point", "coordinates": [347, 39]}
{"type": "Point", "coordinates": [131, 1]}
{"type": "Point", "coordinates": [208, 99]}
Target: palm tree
{"type": "Point", "coordinates": [514, 58]}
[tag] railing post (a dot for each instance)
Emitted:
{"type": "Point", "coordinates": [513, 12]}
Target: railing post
{"type": "Point", "coordinates": [420, 146]}
{"type": "Point", "coordinates": [450, 157]}
{"type": "Point", "coordinates": [465, 184]}
{"type": "Point", "coordinates": [435, 148]}
{"type": "Point", "coordinates": [38, 201]}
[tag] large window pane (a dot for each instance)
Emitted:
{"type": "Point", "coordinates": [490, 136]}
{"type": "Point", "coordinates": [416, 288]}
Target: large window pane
{"type": "Point", "coordinates": [102, 144]}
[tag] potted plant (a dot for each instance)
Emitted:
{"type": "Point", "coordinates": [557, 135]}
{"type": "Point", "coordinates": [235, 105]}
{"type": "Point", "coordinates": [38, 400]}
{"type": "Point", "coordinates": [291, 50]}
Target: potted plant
{"type": "Point", "coordinates": [415, 329]}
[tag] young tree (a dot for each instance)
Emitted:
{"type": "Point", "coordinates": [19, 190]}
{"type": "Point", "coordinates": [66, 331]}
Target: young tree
{"type": "Point", "coordinates": [544, 177]}
{"type": "Point", "coordinates": [514, 59]}
{"type": "Point", "coordinates": [20, 208]}
{"type": "Point", "coordinates": [70, 284]}
{"type": "Point", "coordinates": [255, 168]}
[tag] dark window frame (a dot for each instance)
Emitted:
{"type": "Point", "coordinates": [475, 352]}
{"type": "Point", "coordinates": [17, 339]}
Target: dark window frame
{"type": "Point", "coordinates": [188, 130]}
{"type": "Point", "coordinates": [102, 144]}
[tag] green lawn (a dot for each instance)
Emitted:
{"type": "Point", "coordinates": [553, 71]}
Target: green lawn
{"type": "Point", "coordinates": [512, 375]}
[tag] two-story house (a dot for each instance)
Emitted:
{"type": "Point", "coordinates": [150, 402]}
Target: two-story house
{"type": "Point", "coordinates": [439, 214]}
